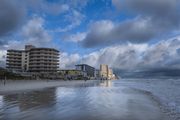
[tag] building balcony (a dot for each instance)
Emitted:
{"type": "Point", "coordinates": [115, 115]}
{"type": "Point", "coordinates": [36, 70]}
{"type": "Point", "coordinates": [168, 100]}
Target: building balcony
{"type": "Point", "coordinates": [43, 65]}
{"type": "Point", "coordinates": [12, 63]}
{"type": "Point", "coordinates": [13, 67]}
{"type": "Point", "coordinates": [44, 52]}
{"type": "Point", "coordinates": [13, 60]}
{"type": "Point", "coordinates": [14, 56]}
{"type": "Point", "coordinates": [46, 55]}
{"type": "Point", "coordinates": [44, 62]}
{"type": "Point", "coordinates": [43, 59]}
{"type": "Point", "coordinates": [42, 69]}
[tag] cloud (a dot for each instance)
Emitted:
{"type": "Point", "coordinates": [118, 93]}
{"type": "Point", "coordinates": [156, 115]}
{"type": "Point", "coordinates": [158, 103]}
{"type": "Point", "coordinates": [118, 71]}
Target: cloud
{"type": "Point", "coordinates": [70, 11]}
{"type": "Point", "coordinates": [10, 28]}
{"type": "Point", "coordinates": [160, 8]}
{"type": "Point", "coordinates": [56, 9]}
{"type": "Point", "coordinates": [68, 61]}
{"type": "Point", "coordinates": [162, 55]}
{"type": "Point", "coordinates": [42, 6]}
{"type": "Point", "coordinates": [106, 32]}
{"type": "Point", "coordinates": [119, 56]}
{"type": "Point", "coordinates": [35, 33]}
{"type": "Point", "coordinates": [74, 18]}
{"type": "Point", "coordinates": [162, 12]}
{"type": "Point", "coordinates": [152, 20]}
{"type": "Point", "coordinates": [75, 37]}
{"type": "Point", "coordinates": [11, 16]}
{"type": "Point", "coordinates": [77, 4]}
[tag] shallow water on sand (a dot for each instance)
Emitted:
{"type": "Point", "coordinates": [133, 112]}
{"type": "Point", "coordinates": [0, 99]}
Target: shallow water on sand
{"type": "Point", "coordinates": [100, 102]}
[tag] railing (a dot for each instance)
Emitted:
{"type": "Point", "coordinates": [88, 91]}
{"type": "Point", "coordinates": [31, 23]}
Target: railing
{"type": "Point", "coordinates": [43, 66]}
{"type": "Point", "coordinates": [14, 60]}
{"type": "Point", "coordinates": [11, 63]}
{"type": "Point", "coordinates": [45, 52]}
{"type": "Point", "coordinates": [43, 58]}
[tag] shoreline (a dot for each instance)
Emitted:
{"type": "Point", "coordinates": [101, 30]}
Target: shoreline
{"type": "Point", "coordinates": [29, 85]}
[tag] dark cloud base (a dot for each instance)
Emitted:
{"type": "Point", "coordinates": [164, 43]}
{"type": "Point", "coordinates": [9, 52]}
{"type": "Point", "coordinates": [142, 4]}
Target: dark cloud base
{"type": "Point", "coordinates": [154, 19]}
{"type": "Point", "coordinates": [11, 16]}
{"type": "Point", "coordinates": [151, 73]}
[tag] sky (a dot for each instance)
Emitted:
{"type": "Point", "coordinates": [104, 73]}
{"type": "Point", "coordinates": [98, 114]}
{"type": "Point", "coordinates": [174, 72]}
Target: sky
{"type": "Point", "coordinates": [130, 35]}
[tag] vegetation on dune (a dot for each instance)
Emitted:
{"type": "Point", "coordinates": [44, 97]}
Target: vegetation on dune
{"type": "Point", "coordinates": [4, 74]}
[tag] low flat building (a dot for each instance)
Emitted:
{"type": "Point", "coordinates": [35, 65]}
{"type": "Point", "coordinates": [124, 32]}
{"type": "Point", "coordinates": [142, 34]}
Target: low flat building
{"type": "Point", "coordinates": [97, 74]}
{"type": "Point", "coordinates": [32, 59]}
{"type": "Point", "coordinates": [71, 74]}
{"type": "Point", "coordinates": [89, 70]}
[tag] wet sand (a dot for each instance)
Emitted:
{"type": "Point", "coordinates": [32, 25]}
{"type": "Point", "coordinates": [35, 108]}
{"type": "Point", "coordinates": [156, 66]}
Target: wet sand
{"type": "Point", "coordinates": [27, 85]}
{"type": "Point", "coordinates": [104, 102]}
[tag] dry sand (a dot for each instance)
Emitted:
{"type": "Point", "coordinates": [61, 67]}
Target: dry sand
{"type": "Point", "coordinates": [25, 85]}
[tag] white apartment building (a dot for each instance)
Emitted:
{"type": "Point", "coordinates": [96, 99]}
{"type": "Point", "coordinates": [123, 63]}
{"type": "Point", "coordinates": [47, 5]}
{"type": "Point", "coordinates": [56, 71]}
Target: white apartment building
{"type": "Point", "coordinates": [33, 59]}
{"type": "Point", "coordinates": [106, 72]}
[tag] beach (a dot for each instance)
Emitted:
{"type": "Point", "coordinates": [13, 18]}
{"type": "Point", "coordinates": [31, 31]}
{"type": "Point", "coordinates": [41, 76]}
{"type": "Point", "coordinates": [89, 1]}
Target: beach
{"type": "Point", "coordinates": [78, 100]}
{"type": "Point", "coordinates": [13, 86]}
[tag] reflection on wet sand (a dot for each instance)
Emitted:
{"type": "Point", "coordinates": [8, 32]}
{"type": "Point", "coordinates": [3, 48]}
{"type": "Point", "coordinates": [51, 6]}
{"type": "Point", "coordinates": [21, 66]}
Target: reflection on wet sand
{"type": "Point", "coordinates": [106, 83]}
{"type": "Point", "coordinates": [103, 102]}
{"type": "Point", "coordinates": [31, 99]}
